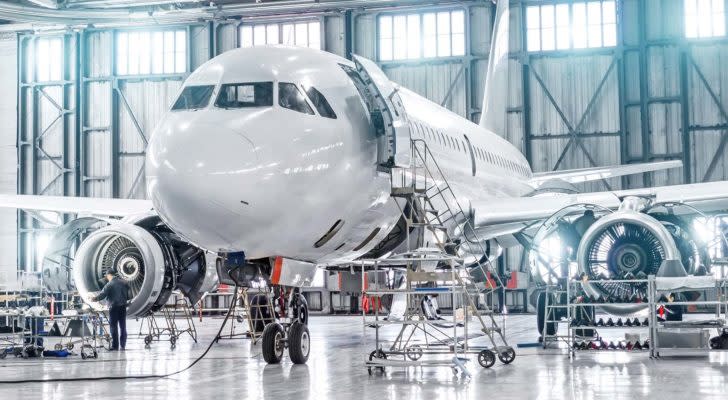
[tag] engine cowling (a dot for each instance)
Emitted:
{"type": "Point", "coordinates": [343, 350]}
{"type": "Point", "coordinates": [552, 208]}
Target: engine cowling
{"type": "Point", "coordinates": [624, 245]}
{"type": "Point", "coordinates": [149, 257]}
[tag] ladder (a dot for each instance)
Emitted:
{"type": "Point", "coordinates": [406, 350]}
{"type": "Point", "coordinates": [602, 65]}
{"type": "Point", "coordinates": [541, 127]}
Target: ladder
{"type": "Point", "coordinates": [428, 204]}
{"type": "Point", "coordinates": [434, 206]}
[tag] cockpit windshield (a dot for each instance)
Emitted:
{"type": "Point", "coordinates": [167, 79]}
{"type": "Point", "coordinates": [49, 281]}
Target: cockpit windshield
{"type": "Point", "coordinates": [244, 95]}
{"type": "Point", "coordinates": [291, 98]}
{"type": "Point", "coordinates": [194, 97]}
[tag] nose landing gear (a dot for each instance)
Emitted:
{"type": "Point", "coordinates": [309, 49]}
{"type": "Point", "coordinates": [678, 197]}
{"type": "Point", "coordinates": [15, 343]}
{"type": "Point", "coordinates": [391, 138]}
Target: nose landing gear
{"type": "Point", "coordinates": [294, 335]}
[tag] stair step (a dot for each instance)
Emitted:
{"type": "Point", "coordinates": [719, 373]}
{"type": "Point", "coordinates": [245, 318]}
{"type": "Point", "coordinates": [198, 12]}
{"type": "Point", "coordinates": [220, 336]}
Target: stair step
{"type": "Point", "coordinates": [406, 190]}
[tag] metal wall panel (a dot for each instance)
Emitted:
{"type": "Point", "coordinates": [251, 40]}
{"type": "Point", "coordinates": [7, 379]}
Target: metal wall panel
{"type": "Point", "coordinates": [433, 81]}
{"type": "Point", "coordinates": [335, 35]}
{"type": "Point", "coordinates": [148, 101]}
{"type": "Point", "coordinates": [227, 37]}
{"type": "Point", "coordinates": [8, 156]}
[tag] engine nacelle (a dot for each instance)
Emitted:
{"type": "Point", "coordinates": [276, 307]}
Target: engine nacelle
{"type": "Point", "coordinates": [627, 244]}
{"type": "Point", "coordinates": [149, 257]}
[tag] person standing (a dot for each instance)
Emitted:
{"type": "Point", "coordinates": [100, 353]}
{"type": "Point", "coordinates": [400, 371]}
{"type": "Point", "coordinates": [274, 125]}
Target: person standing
{"type": "Point", "coordinates": [116, 294]}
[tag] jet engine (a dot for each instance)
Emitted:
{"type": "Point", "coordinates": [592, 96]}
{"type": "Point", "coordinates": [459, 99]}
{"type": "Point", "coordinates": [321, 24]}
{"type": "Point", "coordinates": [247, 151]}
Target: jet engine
{"type": "Point", "coordinates": [149, 257]}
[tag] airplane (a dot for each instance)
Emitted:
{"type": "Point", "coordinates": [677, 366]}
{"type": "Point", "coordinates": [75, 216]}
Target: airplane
{"type": "Point", "coordinates": [274, 161]}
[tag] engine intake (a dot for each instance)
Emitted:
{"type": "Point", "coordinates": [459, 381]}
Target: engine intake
{"type": "Point", "coordinates": [624, 245]}
{"type": "Point", "coordinates": [150, 258]}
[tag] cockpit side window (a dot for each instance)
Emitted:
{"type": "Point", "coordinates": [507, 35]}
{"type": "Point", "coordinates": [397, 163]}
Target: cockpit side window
{"type": "Point", "coordinates": [245, 95]}
{"type": "Point", "coordinates": [194, 97]}
{"type": "Point", "coordinates": [320, 102]}
{"type": "Point", "coordinates": [290, 97]}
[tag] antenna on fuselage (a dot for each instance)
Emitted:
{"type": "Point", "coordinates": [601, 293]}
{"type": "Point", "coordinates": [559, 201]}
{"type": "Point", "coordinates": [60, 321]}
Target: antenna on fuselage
{"type": "Point", "coordinates": [495, 99]}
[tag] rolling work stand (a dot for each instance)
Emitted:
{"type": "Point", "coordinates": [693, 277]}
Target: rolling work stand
{"type": "Point", "coordinates": [252, 307]}
{"type": "Point", "coordinates": [170, 329]}
{"type": "Point", "coordinates": [426, 340]}
{"type": "Point", "coordinates": [432, 214]}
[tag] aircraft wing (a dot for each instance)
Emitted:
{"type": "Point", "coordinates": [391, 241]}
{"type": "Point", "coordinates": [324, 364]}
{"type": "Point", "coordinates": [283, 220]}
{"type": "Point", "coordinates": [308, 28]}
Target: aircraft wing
{"type": "Point", "coordinates": [498, 217]}
{"type": "Point", "coordinates": [77, 205]}
{"type": "Point", "coordinates": [594, 174]}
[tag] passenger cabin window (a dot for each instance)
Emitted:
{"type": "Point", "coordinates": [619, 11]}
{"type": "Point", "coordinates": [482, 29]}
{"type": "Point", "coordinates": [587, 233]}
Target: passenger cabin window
{"type": "Point", "coordinates": [290, 97]}
{"type": "Point", "coordinates": [245, 95]}
{"type": "Point", "coordinates": [319, 101]}
{"type": "Point", "coordinates": [194, 97]}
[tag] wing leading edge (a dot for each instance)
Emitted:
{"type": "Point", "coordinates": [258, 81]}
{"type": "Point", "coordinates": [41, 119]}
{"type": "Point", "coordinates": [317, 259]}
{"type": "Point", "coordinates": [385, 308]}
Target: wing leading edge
{"type": "Point", "coordinates": [594, 174]}
{"type": "Point", "coordinates": [77, 205]}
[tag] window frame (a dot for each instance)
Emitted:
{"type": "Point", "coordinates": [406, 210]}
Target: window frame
{"type": "Point", "coordinates": [152, 31]}
{"type": "Point", "coordinates": [712, 16]}
{"type": "Point", "coordinates": [280, 24]}
{"type": "Point", "coordinates": [422, 38]}
{"type": "Point", "coordinates": [604, 26]}
{"type": "Point", "coordinates": [277, 98]}
{"type": "Point", "coordinates": [219, 92]}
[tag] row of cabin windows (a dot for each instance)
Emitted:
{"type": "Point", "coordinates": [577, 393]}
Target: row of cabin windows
{"type": "Point", "coordinates": [445, 140]}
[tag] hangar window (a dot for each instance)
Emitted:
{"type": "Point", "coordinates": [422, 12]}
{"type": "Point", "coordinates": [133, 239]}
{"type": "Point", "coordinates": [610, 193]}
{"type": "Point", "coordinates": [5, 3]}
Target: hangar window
{"type": "Point", "coordinates": [290, 97]}
{"type": "Point", "coordinates": [245, 95]}
{"type": "Point", "coordinates": [194, 97]}
{"type": "Point", "coordinates": [421, 35]}
{"type": "Point", "coordinates": [319, 101]}
{"type": "Point", "coordinates": [48, 59]}
{"type": "Point", "coordinates": [144, 52]}
{"type": "Point", "coordinates": [704, 18]}
{"type": "Point", "coordinates": [578, 25]}
{"type": "Point", "coordinates": [304, 34]}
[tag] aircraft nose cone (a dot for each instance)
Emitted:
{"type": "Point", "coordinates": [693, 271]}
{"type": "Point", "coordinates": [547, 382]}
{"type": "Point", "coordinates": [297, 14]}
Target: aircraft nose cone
{"type": "Point", "coordinates": [190, 167]}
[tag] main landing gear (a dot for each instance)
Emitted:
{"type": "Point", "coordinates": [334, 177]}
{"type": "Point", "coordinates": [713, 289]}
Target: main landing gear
{"type": "Point", "coordinates": [294, 335]}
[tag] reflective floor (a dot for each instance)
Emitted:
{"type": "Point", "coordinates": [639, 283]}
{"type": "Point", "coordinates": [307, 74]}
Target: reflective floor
{"type": "Point", "coordinates": [336, 370]}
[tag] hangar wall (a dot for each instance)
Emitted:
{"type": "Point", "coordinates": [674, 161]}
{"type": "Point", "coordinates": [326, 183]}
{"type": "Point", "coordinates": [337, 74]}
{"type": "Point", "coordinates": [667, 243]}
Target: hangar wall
{"type": "Point", "coordinates": [649, 98]}
{"type": "Point", "coordinates": [8, 156]}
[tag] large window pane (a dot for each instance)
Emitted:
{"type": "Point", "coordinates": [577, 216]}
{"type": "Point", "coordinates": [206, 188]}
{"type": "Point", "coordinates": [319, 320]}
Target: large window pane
{"type": "Point", "coordinates": [704, 18]}
{"type": "Point", "coordinates": [563, 33]}
{"type": "Point", "coordinates": [302, 35]}
{"type": "Point", "coordinates": [400, 37]}
{"type": "Point", "coordinates": [429, 29]}
{"type": "Point", "coordinates": [271, 34]}
{"type": "Point", "coordinates": [578, 37]}
{"type": "Point", "coordinates": [246, 36]}
{"type": "Point", "coordinates": [443, 34]}
{"type": "Point", "coordinates": [576, 25]}
{"type": "Point", "coordinates": [413, 36]}
{"type": "Point", "coordinates": [314, 35]}
{"type": "Point", "coordinates": [416, 35]}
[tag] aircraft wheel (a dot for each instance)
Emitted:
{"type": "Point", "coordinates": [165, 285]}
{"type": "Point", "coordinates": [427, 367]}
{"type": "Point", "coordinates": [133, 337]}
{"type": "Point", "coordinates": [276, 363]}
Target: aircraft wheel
{"type": "Point", "coordinates": [273, 343]}
{"type": "Point", "coordinates": [486, 358]}
{"type": "Point", "coordinates": [299, 343]}
{"type": "Point", "coordinates": [300, 310]}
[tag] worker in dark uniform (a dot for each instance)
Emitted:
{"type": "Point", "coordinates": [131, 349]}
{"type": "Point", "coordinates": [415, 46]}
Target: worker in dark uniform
{"type": "Point", "coordinates": [116, 293]}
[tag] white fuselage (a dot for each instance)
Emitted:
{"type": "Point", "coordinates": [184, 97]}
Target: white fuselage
{"type": "Point", "coordinates": [272, 181]}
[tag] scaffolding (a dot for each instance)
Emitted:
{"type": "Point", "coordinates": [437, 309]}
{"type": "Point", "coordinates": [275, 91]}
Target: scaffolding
{"type": "Point", "coordinates": [431, 209]}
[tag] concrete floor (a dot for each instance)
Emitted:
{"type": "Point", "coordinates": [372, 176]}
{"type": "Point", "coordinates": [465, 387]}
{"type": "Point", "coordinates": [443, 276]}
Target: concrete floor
{"type": "Point", "coordinates": [235, 368]}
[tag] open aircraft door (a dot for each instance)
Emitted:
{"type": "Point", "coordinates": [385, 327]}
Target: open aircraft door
{"type": "Point", "coordinates": [388, 115]}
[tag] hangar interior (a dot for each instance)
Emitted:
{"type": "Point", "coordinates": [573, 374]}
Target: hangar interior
{"type": "Point", "coordinates": [590, 83]}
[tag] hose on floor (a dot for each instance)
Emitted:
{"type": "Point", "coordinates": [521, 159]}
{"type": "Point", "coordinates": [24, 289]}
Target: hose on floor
{"type": "Point", "coordinates": [150, 376]}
